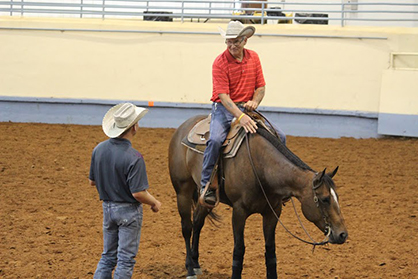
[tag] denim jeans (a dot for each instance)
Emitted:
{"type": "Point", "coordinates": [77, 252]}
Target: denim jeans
{"type": "Point", "coordinates": [219, 128]}
{"type": "Point", "coordinates": [122, 224]}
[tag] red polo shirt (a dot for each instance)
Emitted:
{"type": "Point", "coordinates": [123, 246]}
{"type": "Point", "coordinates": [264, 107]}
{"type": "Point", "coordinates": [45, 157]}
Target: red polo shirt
{"type": "Point", "coordinates": [238, 79]}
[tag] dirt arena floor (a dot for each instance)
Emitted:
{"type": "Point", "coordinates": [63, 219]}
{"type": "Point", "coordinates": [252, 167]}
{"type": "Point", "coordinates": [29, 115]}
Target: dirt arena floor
{"type": "Point", "coordinates": [50, 218]}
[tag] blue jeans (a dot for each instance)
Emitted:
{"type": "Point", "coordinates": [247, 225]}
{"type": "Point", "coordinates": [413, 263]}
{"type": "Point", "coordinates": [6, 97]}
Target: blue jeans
{"type": "Point", "coordinates": [122, 224]}
{"type": "Point", "coordinates": [219, 128]}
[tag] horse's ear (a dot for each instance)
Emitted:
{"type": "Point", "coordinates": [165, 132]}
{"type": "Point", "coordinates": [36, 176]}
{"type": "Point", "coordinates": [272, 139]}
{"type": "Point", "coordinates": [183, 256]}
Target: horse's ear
{"type": "Point", "coordinates": [318, 179]}
{"type": "Point", "coordinates": [333, 173]}
{"type": "Point", "coordinates": [323, 173]}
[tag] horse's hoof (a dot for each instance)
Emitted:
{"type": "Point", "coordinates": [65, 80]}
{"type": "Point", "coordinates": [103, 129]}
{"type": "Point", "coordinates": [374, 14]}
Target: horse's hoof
{"type": "Point", "coordinates": [192, 277]}
{"type": "Point", "coordinates": [197, 271]}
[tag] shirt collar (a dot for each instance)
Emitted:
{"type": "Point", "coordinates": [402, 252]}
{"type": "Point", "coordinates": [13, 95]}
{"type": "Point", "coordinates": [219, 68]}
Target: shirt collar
{"type": "Point", "coordinates": [120, 141]}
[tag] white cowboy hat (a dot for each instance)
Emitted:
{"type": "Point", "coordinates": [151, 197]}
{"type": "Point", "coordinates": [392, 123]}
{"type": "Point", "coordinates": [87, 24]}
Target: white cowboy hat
{"type": "Point", "coordinates": [236, 29]}
{"type": "Point", "coordinates": [120, 118]}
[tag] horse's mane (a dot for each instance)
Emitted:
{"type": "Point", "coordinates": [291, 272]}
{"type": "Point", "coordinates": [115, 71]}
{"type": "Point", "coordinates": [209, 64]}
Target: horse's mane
{"type": "Point", "coordinates": [277, 143]}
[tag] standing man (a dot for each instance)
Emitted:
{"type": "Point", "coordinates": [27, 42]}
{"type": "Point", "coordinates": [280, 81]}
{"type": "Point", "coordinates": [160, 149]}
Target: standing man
{"type": "Point", "coordinates": [238, 84]}
{"type": "Point", "coordinates": [118, 172]}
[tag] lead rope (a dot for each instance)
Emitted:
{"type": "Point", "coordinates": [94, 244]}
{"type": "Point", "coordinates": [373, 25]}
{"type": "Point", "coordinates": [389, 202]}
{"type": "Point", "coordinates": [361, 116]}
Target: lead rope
{"type": "Point", "coordinates": [314, 243]}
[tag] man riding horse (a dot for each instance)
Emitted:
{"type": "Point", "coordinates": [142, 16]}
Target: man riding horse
{"type": "Point", "coordinates": [238, 85]}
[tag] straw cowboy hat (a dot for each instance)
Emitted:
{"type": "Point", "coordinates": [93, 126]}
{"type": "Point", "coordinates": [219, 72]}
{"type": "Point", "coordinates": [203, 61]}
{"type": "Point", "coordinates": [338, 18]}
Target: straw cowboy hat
{"type": "Point", "coordinates": [236, 29]}
{"type": "Point", "coordinates": [120, 118]}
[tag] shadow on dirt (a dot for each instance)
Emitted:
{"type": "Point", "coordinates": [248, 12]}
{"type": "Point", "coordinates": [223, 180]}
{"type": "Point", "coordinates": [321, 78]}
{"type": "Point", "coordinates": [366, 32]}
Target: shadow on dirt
{"type": "Point", "coordinates": [158, 271]}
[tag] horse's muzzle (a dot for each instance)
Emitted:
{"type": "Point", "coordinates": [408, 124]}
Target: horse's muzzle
{"type": "Point", "coordinates": [339, 238]}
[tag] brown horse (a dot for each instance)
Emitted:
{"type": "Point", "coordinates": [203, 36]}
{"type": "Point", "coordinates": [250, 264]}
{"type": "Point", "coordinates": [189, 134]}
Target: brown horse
{"type": "Point", "coordinates": [263, 164]}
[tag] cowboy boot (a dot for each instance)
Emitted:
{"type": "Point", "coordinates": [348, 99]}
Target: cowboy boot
{"type": "Point", "coordinates": [208, 196]}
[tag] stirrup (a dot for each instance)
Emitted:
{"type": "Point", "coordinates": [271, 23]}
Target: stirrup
{"type": "Point", "coordinates": [202, 200]}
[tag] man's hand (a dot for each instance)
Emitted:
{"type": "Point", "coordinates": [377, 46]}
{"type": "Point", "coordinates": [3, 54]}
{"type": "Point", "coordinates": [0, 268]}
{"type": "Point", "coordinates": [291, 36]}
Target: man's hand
{"type": "Point", "coordinates": [251, 105]}
{"type": "Point", "coordinates": [245, 121]}
{"type": "Point", "coordinates": [147, 198]}
{"type": "Point", "coordinates": [156, 207]}
{"type": "Point", "coordinates": [248, 124]}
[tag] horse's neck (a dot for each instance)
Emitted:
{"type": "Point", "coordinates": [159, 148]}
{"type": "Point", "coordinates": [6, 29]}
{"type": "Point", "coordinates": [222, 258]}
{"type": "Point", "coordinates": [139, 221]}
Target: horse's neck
{"type": "Point", "coordinates": [287, 178]}
{"type": "Point", "coordinates": [279, 172]}
{"type": "Point", "coordinates": [302, 183]}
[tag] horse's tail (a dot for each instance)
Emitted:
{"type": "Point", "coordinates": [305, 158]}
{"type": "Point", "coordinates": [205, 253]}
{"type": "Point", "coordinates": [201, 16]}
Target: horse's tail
{"type": "Point", "coordinates": [214, 218]}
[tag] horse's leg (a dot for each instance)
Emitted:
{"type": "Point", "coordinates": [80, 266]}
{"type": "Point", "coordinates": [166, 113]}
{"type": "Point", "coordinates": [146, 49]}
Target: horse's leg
{"type": "Point", "coordinates": [199, 216]}
{"type": "Point", "coordinates": [269, 229]}
{"type": "Point", "coordinates": [184, 205]}
{"type": "Point", "coordinates": [239, 216]}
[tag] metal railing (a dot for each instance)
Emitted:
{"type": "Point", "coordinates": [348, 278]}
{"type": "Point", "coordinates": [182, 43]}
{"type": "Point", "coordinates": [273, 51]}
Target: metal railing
{"type": "Point", "coordinates": [333, 12]}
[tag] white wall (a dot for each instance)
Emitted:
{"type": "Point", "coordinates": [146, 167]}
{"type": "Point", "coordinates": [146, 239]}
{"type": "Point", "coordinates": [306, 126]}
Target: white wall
{"type": "Point", "coordinates": [306, 67]}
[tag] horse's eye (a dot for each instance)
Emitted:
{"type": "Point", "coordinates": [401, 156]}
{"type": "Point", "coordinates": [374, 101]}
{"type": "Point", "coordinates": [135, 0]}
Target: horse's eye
{"type": "Point", "coordinates": [326, 200]}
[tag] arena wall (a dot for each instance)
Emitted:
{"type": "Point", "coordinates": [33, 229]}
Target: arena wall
{"type": "Point", "coordinates": [323, 81]}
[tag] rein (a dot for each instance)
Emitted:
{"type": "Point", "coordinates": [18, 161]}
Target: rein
{"type": "Point", "coordinates": [312, 242]}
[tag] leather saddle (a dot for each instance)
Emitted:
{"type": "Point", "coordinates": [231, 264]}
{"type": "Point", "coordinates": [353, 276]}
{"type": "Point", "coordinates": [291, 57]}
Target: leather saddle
{"type": "Point", "coordinates": [199, 135]}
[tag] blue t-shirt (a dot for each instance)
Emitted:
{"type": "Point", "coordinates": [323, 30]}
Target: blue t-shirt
{"type": "Point", "coordinates": [118, 170]}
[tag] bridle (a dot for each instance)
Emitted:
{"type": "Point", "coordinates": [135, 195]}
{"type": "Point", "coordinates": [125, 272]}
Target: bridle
{"type": "Point", "coordinates": [318, 203]}
{"type": "Point", "coordinates": [316, 200]}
